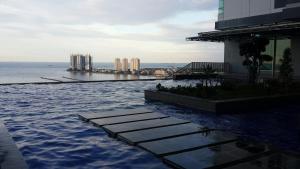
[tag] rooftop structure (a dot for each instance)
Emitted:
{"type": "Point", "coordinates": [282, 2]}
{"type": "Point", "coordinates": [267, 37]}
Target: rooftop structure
{"type": "Point", "coordinates": [278, 20]}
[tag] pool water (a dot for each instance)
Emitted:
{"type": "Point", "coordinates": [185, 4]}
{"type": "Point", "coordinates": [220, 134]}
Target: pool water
{"type": "Point", "coordinates": [43, 121]}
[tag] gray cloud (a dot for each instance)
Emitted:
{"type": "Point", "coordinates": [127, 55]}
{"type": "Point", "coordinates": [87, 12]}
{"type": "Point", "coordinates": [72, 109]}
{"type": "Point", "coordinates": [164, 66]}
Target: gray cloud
{"type": "Point", "coordinates": [99, 11]}
{"type": "Point", "coordinates": [61, 18]}
{"type": "Point", "coordinates": [145, 11]}
{"type": "Point", "coordinates": [150, 28]}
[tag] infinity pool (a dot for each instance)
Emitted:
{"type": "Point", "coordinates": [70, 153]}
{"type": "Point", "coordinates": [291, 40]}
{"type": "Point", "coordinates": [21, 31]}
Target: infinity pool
{"type": "Point", "coordinates": [43, 121]}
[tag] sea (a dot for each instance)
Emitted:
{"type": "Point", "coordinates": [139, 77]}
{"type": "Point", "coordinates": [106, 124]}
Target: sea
{"type": "Point", "coordinates": [25, 72]}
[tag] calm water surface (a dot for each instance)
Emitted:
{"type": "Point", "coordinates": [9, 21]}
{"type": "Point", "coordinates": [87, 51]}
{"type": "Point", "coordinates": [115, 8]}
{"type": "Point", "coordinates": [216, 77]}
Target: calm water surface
{"type": "Point", "coordinates": [43, 121]}
{"type": "Point", "coordinates": [22, 72]}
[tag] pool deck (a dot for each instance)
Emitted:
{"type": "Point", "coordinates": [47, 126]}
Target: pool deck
{"type": "Point", "coordinates": [182, 144]}
{"type": "Point", "coordinates": [10, 156]}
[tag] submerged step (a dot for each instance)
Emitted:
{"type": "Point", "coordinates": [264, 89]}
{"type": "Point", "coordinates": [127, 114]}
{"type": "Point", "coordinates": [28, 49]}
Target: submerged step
{"type": "Point", "coordinates": [187, 142]}
{"type": "Point", "coordinates": [115, 113]}
{"type": "Point", "coordinates": [10, 156]}
{"type": "Point", "coordinates": [219, 156]}
{"type": "Point", "coordinates": [126, 119]}
{"type": "Point", "coordinates": [160, 133]}
{"type": "Point", "coordinates": [142, 125]}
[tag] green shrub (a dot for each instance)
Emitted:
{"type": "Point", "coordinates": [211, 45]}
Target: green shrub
{"type": "Point", "coordinates": [232, 89]}
{"type": "Point", "coordinates": [252, 50]}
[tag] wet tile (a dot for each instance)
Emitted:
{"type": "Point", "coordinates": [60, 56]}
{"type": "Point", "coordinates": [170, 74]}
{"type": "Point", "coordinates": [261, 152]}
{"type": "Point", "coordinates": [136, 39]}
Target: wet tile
{"type": "Point", "coordinates": [115, 113]}
{"type": "Point", "coordinates": [160, 133]}
{"type": "Point", "coordinates": [142, 125]}
{"type": "Point", "coordinates": [126, 119]}
{"type": "Point", "coordinates": [187, 142]}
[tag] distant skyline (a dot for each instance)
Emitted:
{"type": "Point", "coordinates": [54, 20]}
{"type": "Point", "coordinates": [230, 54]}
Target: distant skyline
{"type": "Point", "coordinates": [153, 30]}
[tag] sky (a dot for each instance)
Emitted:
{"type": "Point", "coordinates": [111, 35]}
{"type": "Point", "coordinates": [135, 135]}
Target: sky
{"type": "Point", "coordinates": [153, 30]}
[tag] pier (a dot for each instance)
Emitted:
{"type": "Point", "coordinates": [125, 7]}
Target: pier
{"type": "Point", "coordinates": [183, 144]}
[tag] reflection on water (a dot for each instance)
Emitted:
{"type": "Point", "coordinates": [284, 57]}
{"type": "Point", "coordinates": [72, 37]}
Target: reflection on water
{"type": "Point", "coordinates": [32, 72]}
{"type": "Point", "coordinates": [100, 76]}
{"type": "Point", "coordinates": [274, 161]}
{"type": "Point", "coordinates": [210, 157]}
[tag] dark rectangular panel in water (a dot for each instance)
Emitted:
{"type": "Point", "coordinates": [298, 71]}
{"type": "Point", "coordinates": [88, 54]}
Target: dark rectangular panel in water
{"type": "Point", "coordinates": [219, 156]}
{"type": "Point", "coordinates": [185, 143]}
{"type": "Point", "coordinates": [159, 133]}
{"type": "Point", "coordinates": [127, 119]}
{"type": "Point", "coordinates": [115, 113]}
{"type": "Point", "coordinates": [142, 125]}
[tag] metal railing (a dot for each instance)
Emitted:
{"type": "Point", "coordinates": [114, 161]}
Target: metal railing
{"type": "Point", "coordinates": [198, 67]}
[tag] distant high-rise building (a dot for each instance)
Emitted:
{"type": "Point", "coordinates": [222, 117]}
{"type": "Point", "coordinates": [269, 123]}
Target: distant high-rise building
{"type": "Point", "coordinates": [125, 64]}
{"type": "Point", "coordinates": [82, 63]}
{"type": "Point", "coordinates": [118, 65]}
{"type": "Point", "coordinates": [79, 62]}
{"type": "Point", "coordinates": [135, 65]}
{"type": "Point", "coordinates": [73, 61]}
{"type": "Point", "coordinates": [88, 62]}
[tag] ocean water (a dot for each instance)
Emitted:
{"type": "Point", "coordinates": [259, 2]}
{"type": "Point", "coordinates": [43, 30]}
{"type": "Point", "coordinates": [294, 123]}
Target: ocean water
{"type": "Point", "coordinates": [22, 72]}
{"type": "Point", "coordinates": [43, 121]}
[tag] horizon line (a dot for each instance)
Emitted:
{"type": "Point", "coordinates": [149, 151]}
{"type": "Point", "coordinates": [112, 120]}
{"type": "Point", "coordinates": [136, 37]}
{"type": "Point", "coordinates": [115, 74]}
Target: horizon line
{"type": "Point", "coordinates": [68, 62]}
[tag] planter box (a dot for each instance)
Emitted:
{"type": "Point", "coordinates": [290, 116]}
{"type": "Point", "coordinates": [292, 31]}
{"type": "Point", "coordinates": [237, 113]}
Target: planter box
{"type": "Point", "coordinates": [221, 106]}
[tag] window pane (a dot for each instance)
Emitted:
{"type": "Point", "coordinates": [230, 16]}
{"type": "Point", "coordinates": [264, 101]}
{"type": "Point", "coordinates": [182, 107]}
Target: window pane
{"type": "Point", "coordinates": [267, 66]}
{"type": "Point", "coordinates": [221, 6]}
{"type": "Point", "coordinates": [282, 44]}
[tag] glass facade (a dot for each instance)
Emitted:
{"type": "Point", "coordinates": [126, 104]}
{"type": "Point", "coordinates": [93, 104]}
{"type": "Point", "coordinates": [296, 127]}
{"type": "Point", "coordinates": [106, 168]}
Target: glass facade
{"type": "Point", "coordinates": [268, 66]}
{"type": "Point", "coordinates": [282, 45]}
{"type": "Point", "coordinates": [277, 48]}
{"type": "Point", "coordinates": [221, 7]}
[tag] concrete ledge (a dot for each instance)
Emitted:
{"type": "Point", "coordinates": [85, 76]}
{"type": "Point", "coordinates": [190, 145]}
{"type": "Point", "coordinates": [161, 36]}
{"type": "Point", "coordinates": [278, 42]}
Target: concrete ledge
{"type": "Point", "coordinates": [10, 156]}
{"type": "Point", "coordinates": [78, 82]}
{"type": "Point", "coordinates": [221, 106]}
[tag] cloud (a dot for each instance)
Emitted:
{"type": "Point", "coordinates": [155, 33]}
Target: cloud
{"type": "Point", "coordinates": [144, 11]}
{"type": "Point", "coordinates": [100, 11]}
{"type": "Point", "coordinates": [145, 28]}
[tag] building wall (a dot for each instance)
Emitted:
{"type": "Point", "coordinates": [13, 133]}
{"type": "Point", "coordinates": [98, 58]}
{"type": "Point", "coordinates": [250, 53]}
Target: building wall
{"type": "Point", "coordinates": [232, 56]}
{"type": "Point", "coordinates": [234, 9]}
{"type": "Point", "coordinates": [245, 13]}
